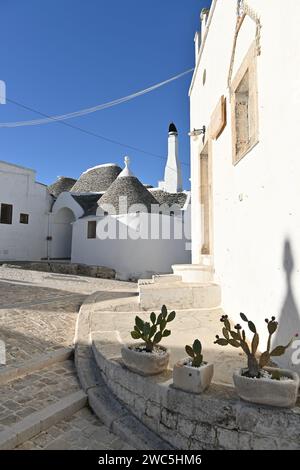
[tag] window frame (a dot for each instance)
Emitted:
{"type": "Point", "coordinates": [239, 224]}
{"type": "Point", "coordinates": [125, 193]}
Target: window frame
{"type": "Point", "coordinates": [249, 65]}
{"type": "Point", "coordinates": [93, 235]}
{"type": "Point", "coordinates": [22, 214]}
{"type": "Point", "coordinates": [11, 209]}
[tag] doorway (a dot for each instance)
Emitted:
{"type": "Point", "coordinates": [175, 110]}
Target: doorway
{"type": "Point", "coordinates": [206, 200]}
{"type": "Point", "coordinates": [62, 234]}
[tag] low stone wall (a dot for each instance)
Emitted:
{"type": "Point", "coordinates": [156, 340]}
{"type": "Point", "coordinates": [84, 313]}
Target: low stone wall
{"type": "Point", "coordinates": [65, 268]}
{"type": "Point", "coordinates": [216, 419]}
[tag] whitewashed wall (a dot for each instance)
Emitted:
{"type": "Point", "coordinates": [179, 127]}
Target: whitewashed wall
{"type": "Point", "coordinates": [256, 203]}
{"type": "Point", "coordinates": [20, 241]}
{"type": "Point", "coordinates": [131, 258]}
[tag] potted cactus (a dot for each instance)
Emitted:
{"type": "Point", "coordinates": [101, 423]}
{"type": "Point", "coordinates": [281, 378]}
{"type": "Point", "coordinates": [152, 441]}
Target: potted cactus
{"type": "Point", "coordinates": [193, 374]}
{"type": "Point", "coordinates": [258, 383]}
{"type": "Point", "coordinates": [149, 357]}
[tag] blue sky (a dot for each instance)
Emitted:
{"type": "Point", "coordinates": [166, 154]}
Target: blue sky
{"type": "Point", "coordinates": [59, 56]}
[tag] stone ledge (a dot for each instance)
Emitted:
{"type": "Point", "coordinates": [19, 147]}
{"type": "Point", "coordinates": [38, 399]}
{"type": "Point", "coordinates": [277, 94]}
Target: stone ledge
{"type": "Point", "coordinates": [216, 419]}
{"type": "Point", "coordinates": [74, 269]}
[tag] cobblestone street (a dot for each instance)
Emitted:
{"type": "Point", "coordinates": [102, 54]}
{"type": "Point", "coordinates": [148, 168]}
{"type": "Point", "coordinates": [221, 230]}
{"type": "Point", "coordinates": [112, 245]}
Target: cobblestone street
{"type": "Point", "coordinates": [83, 431]}
{"type": "Point", "coordinates": [38, 310]}
{"type": "Point", "coordinates": [38, 313]}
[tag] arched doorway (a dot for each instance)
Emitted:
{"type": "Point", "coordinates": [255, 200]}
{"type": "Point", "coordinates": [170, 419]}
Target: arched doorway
{"type": "Point", "coordinates": [61, 245]}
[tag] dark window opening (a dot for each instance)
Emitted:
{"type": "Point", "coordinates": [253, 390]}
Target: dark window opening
{"type": "Point", "coordinates": [92, 227]}
{"type": "Point", "coordinates": [6, 214]}
{"type": "Point", "coordinates": [24, 218]}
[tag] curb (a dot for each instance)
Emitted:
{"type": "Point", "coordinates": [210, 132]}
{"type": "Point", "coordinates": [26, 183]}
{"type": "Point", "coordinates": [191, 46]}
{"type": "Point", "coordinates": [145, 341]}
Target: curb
{"type": "Point", "coordinates": [41, 420]}
{"type": "Point", "coordinates": [116, 416]}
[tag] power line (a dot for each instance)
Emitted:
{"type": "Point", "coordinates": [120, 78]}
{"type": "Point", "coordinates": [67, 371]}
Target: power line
{"type": "Point", "coordinates": [91, 133]}
{"type": "Point", "coordinates": [93, 109]}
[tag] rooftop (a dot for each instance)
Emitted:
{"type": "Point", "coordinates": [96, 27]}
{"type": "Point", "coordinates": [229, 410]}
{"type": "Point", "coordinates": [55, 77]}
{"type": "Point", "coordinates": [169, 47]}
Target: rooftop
{"type": "Point", "coordinates": [63, 183]}
{"type": "Point", "coordinates": [97, 179]}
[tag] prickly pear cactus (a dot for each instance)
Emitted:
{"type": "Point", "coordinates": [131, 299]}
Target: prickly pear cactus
{"type": "Point", "coordinates": [154, 331]}
{"type": "Point", "coordinates": [195, 352]}
{"type": "Point", "coordinates": [237, 339]}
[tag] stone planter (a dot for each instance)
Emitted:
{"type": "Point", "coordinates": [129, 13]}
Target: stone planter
{"type": "Point", "coordinates": [283, 393]}
{"type": "Point", "coordinates": [192, 379]}
{"type": "Point", "coordinates": [145, 363]}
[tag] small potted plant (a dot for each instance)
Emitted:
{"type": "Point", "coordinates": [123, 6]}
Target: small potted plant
{"type": "Point", "coordinates": [193, 374]}
{"type": "Point", "coordinates": [148, 357]}
{"type": "Point", "coordinates": [258, 383]}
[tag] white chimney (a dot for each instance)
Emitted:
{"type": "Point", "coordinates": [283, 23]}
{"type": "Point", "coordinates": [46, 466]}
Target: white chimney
{"type": "Point", "coordinates": [204, 17]}
{"type": "Point", "coordinates": [173, 178]}
{"type": "Point", "coordinates": [197, 41]}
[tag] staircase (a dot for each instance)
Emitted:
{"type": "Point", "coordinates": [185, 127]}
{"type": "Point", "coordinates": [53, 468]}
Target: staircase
{"type": "Point", "coordinates": [37, 395]}
{"type": "Point", "coordinates": [191, 286]}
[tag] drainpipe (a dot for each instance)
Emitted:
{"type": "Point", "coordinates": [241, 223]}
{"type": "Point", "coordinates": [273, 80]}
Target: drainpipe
{"type": "Point", "coordinates": [49, 238]}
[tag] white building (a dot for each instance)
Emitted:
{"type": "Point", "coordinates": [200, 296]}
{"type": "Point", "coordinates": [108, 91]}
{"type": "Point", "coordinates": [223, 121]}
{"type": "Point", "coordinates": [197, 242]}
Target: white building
{"type": "Point", "coordinates": [63, 221]}
{"type": "Point", "coordinates": [138, 246]}
{"type": "Point", "coordinates": [24, 213]}
{"type": "Point", "coordinates": [245, 168]}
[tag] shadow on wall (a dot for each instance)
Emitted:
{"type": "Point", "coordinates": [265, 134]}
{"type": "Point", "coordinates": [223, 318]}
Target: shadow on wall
{"type": "Point", "coordinates": [289, 318]}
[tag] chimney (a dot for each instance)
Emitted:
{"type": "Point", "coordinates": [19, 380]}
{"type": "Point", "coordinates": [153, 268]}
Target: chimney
{"type": "Point", "coordinates": [197, 45]}
{"type": "Point", "coordinates": [204, 17]}
{"type": "Point", "coordinates": [173, 178]}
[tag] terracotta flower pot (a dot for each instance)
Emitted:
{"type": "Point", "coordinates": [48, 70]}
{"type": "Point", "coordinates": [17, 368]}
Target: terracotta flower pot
{"type": "Point", "coordinates": [143, 362]}
{"type": "Point", "coordinates": [192, 379]}
{"type": "Point", "coordinates": [264, 391]}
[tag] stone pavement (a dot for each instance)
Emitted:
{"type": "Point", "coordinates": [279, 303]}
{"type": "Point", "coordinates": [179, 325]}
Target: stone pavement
{"type": "Point", "coordinates": [34, 392]}
{"type": "Point", "coordinates": [109, 316]}
{"type": "Point", "coordinates": [38, 310]}
{"type": "Point", "coordinates": [82, 431]}
{"type": "Point", "coordinates": [38, 313]}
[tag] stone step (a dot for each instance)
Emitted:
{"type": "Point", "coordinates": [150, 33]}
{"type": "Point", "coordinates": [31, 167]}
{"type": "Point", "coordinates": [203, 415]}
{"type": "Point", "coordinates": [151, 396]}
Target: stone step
{"type": "Point", "coordinates": [39, 421]}
{"type": "Point", "coordinates": [21, 369]}
{"type": "Point", "coordinates": [159, 279]}
{"type": "Point", "coordinates": [165, 278]}
{"type": "Point", "coordinates": [202, 273]}
{"type": "Point", "coordinates": [180, 295]}
{"type": "Point", "coordinates": [81, 431]}
{"type": "Point", "coordinates": [52, 389]}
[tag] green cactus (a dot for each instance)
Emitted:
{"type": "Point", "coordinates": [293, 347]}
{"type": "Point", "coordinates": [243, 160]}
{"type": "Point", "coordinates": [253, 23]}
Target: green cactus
{"type": "Point", "coordinates": [154, 331]}
{"type": "Point", "coordinates": [237, 339]}
{"type": "Point", "coordinates": [195, 352]}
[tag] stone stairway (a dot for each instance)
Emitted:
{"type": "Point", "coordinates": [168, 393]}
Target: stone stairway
{"type": "Point", "coordinates": [191, 286]}
{"type": "Point", "coordinates": [42, 406]}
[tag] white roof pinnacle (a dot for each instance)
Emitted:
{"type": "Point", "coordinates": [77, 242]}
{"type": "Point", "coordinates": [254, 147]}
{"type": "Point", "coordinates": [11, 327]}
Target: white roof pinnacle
{"type": "Point", "coordinates": [126, 171]}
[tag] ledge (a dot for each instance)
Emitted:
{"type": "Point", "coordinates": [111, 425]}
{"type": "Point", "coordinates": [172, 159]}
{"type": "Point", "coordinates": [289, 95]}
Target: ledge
{"type": "Point", "coordinates": [216, 419]}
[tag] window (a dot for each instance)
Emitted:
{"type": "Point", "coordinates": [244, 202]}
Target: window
{"type": "Point", "coordinates": [6, 214]}
{"type": "Point", "coordinates": [244, 108]}
{"type": "Point", "coordinates": [24, 218]}
{"type": "Point", "coordinates": [91, 229]}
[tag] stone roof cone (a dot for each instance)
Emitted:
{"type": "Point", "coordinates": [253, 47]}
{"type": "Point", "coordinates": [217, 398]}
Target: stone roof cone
{"type": "Point", "coordinates": [127, 188]}
{"type": "Point", "coordinates": [97, 179]}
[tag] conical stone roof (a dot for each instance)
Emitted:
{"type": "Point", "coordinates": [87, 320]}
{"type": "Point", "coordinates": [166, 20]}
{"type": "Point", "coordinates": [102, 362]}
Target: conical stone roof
{"type": "Point", "coordinates": [97, 179]}
{"type": "Point", "coordinates": [62, 184]}
{"type": "Point", "coordinates": [126, 191]}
